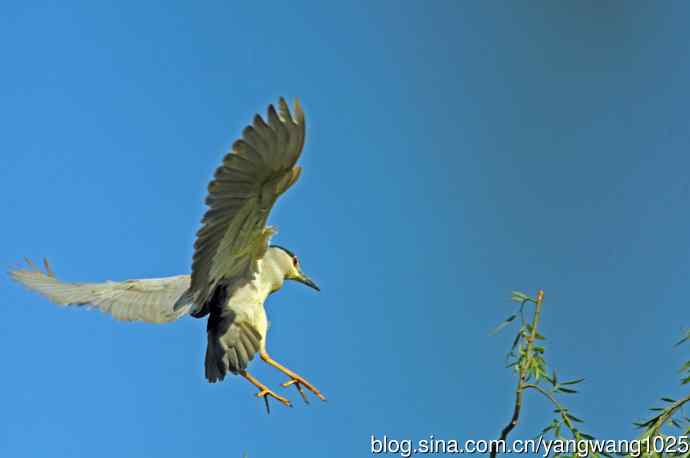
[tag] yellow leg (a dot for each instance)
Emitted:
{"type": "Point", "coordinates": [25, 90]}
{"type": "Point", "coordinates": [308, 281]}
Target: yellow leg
{"type": "Point", "coordinates": [295, 379]}
{"type": "Point", "coordinates": [264, 391]}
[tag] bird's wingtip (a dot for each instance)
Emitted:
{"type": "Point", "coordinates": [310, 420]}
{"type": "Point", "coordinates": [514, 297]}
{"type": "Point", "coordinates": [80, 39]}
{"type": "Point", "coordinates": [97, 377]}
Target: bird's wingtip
{"type": "Point", "coordinates": [49, 269]}
{"type": "Point", "coordinates": [19, 272]}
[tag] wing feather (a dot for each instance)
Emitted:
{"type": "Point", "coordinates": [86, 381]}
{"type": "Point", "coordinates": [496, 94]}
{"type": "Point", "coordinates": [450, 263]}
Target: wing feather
{"type": "Point", "coordinates": [150, 300]}
{"type": "Point", "coordinates": [233, 235]}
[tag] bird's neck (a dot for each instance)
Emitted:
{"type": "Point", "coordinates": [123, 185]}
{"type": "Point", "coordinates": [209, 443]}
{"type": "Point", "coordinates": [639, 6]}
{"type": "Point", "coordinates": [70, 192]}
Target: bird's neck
{"type": "Point", "coordinates": [269, 278]}
{"type": "Point", "coordinates": [271, 273]}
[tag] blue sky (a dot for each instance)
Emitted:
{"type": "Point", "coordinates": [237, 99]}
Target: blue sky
{"type": "Point", "coordinates": [454, 152]}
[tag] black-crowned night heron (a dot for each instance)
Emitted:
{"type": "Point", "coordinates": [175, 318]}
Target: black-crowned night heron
{"type": "Point", "coordinates": [234, 268]}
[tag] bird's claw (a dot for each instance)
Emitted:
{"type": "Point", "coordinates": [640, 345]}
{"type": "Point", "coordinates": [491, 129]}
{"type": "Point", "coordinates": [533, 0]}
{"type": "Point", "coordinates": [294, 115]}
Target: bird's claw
{"type": "Point", "coordinates": [299, 383]}
{"type": "Point", "coordinates": [265, 393]}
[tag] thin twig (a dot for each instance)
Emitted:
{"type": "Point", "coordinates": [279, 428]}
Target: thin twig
{"type": "Point", "coordinates": [562, 410]}
{"type": "Point", "coordinates": [666, 416]}
{"type": "Point", "coordinates": [522, 374]}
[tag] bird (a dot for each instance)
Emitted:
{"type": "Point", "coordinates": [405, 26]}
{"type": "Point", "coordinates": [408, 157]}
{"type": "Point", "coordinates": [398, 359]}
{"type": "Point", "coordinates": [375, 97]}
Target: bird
{"type": "Point", "coordinates": [235, 267]}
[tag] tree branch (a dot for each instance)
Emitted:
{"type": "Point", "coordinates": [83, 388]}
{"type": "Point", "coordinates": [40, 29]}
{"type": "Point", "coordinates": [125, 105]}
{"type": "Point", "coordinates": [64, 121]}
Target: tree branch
{"type": "Point", "coordinates": [522, 374]}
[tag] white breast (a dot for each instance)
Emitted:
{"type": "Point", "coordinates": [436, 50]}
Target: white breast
{"type": "Point", "coordinates": [248, 300]}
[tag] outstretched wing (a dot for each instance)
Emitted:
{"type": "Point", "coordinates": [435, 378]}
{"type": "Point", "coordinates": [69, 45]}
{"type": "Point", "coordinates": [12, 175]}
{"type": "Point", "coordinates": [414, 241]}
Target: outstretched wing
{"type": "Point", "coordinates": [233, 236]}
{"type": "Point", "coordinates": [149, 300]}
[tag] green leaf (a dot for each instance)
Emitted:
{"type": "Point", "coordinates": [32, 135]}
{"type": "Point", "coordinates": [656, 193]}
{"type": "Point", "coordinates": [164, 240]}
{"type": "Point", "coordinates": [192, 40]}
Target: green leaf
{"type": "Point", "coordinates": [685, 366]}
{"type": "Point", "coordinates": [685, 381]}
{"type": "Point", "coordinates": [668, 400]}
{"type": "Point", "coordinates": [575, 419]}
{"type": "Point", "coordinates": [547, 429]}
{"type": "Point", "coordinates": [520, 297]}
{"type": "Point", "coordinates": [503, 325]}
{"type": "Point", "coordinates": [517, 340]}
{"type": "Point", "coordinates": [554, 380]}
{"type": "Point", "coordinates": [684, 339]}
{"type": "Point", "coordinates": [573, 382]}
{"type": "Point", "coordinates": [566, 390]}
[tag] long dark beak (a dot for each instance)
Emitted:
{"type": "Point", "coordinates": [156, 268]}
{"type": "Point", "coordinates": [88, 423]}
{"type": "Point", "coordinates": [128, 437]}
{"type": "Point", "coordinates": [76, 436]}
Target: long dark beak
{"type": "Point", "coordinates": [307, 281]}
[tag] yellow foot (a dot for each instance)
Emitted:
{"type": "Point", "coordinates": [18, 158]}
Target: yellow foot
{"type": "Point", "coordinates": [266, 393]}
{"type": "Point", "coordinates": [300, 382]}
{"type": "Point", "coordinates": [295, 379]}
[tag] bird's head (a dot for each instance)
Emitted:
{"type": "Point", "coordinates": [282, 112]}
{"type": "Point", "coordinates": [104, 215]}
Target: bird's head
{"type": "Point", "coordinates": [290, 265]}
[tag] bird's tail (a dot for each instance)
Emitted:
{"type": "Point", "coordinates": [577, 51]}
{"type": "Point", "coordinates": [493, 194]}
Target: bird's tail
{"type": "Point", "coordinates": [231, 346]}
{"type": "Point", "coordinates": [216, 368]}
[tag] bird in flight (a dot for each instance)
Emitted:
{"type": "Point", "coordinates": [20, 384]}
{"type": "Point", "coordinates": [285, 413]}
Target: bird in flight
{"type": "Point", "coordinates": [234, 268]}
